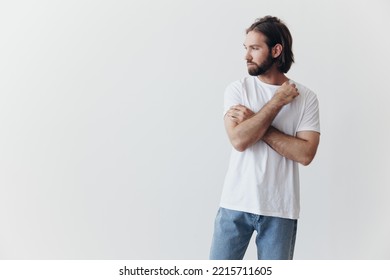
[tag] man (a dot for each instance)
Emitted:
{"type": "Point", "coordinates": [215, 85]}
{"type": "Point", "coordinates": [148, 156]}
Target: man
{"type": "Point", "coordinates": [273, 124]}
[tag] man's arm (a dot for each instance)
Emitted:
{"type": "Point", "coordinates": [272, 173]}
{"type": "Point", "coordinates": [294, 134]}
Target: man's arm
{"type": "Point", "coordinates": [245, 128]}
{"type": "Point", "coordinates": [301, 148]}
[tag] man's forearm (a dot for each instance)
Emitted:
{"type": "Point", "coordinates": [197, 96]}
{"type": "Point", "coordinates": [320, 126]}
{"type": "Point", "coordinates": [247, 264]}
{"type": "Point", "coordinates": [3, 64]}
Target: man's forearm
{"type": "Point", "coordinates": [254, 128]}
{"type": "Point", "coordinates": [293, 148]}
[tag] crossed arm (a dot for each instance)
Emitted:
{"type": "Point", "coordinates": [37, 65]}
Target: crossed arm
{"type": "Point", "coordinates": [245, 128]}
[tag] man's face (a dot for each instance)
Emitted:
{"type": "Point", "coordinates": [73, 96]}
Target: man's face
{"type": "Point", "coordinates": [258, 56]}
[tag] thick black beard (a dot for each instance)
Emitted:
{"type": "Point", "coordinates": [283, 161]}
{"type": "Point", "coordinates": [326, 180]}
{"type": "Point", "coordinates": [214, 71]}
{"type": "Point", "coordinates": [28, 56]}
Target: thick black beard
{"type": "Point", "coordinates": [263, 67]}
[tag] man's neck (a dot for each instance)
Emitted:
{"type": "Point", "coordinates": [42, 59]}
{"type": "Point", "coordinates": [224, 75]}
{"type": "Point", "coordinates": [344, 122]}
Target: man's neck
{"type": "Point", "coordinates": [273, 77]}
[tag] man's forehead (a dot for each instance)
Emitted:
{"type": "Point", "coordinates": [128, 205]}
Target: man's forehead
{"type": "Point", "coordinates": [254, 38]}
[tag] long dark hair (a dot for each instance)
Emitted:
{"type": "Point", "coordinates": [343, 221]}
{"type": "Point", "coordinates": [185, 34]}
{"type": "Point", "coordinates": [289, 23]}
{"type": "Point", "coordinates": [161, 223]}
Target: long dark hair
{"type": "Point", "coordinates": [276, 32]}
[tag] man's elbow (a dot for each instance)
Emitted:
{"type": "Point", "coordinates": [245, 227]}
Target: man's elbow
{"type": "Point", "coordinates": [239, 145]}
{"type": "Point", "coordinates": [307, 159]}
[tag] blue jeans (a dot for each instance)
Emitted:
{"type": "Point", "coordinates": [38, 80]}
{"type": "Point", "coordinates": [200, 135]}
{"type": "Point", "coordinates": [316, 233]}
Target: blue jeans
{"type": "Point", "coordinates": [233, 230]}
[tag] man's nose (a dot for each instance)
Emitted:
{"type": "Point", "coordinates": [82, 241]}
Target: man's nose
{"type": "Point", "coordinates": [248, 56]}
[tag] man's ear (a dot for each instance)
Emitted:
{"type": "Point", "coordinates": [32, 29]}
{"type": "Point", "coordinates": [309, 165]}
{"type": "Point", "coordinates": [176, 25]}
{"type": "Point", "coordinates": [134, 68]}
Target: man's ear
{"type": "Point", "coordinates": [277, 50]}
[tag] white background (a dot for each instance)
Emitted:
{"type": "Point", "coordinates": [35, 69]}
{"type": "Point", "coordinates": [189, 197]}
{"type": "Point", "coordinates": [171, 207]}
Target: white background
{"type": "Point", "coordinates": [112, 143]}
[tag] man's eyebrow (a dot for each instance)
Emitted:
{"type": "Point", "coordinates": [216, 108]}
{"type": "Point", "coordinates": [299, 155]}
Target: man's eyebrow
{"type": "Point", "coordinates": [250, 46]}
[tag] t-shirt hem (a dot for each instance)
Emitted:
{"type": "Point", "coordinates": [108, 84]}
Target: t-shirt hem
{"type": "Point", "coordinates": [261, 212]}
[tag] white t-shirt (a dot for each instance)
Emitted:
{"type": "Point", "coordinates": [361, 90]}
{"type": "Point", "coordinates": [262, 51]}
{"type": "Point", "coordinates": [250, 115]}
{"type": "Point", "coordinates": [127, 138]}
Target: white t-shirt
{"type": "Point", "coordinates": [259, 180]}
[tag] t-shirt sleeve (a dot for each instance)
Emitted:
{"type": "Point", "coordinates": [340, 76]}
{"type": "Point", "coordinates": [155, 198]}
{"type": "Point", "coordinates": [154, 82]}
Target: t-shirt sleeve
{"type": "Point", "coordinates": [232, 96]}
{"type": "Point", "coordinates": [311, 116]}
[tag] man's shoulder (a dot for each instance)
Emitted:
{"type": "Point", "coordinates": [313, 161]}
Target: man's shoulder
{"type": "Point", "coordinates": [304, 90]}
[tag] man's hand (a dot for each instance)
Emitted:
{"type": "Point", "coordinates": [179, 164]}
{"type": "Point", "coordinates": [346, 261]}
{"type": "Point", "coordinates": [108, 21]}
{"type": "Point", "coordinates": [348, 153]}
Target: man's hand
{"type": "Point", "coordinates": [285, 94]}
{"type": "Point", "coordinates": [239, 113]}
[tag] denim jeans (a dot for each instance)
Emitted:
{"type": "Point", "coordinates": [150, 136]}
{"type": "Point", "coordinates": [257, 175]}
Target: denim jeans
{"type": "Point", "coordinates": [233, 230]}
